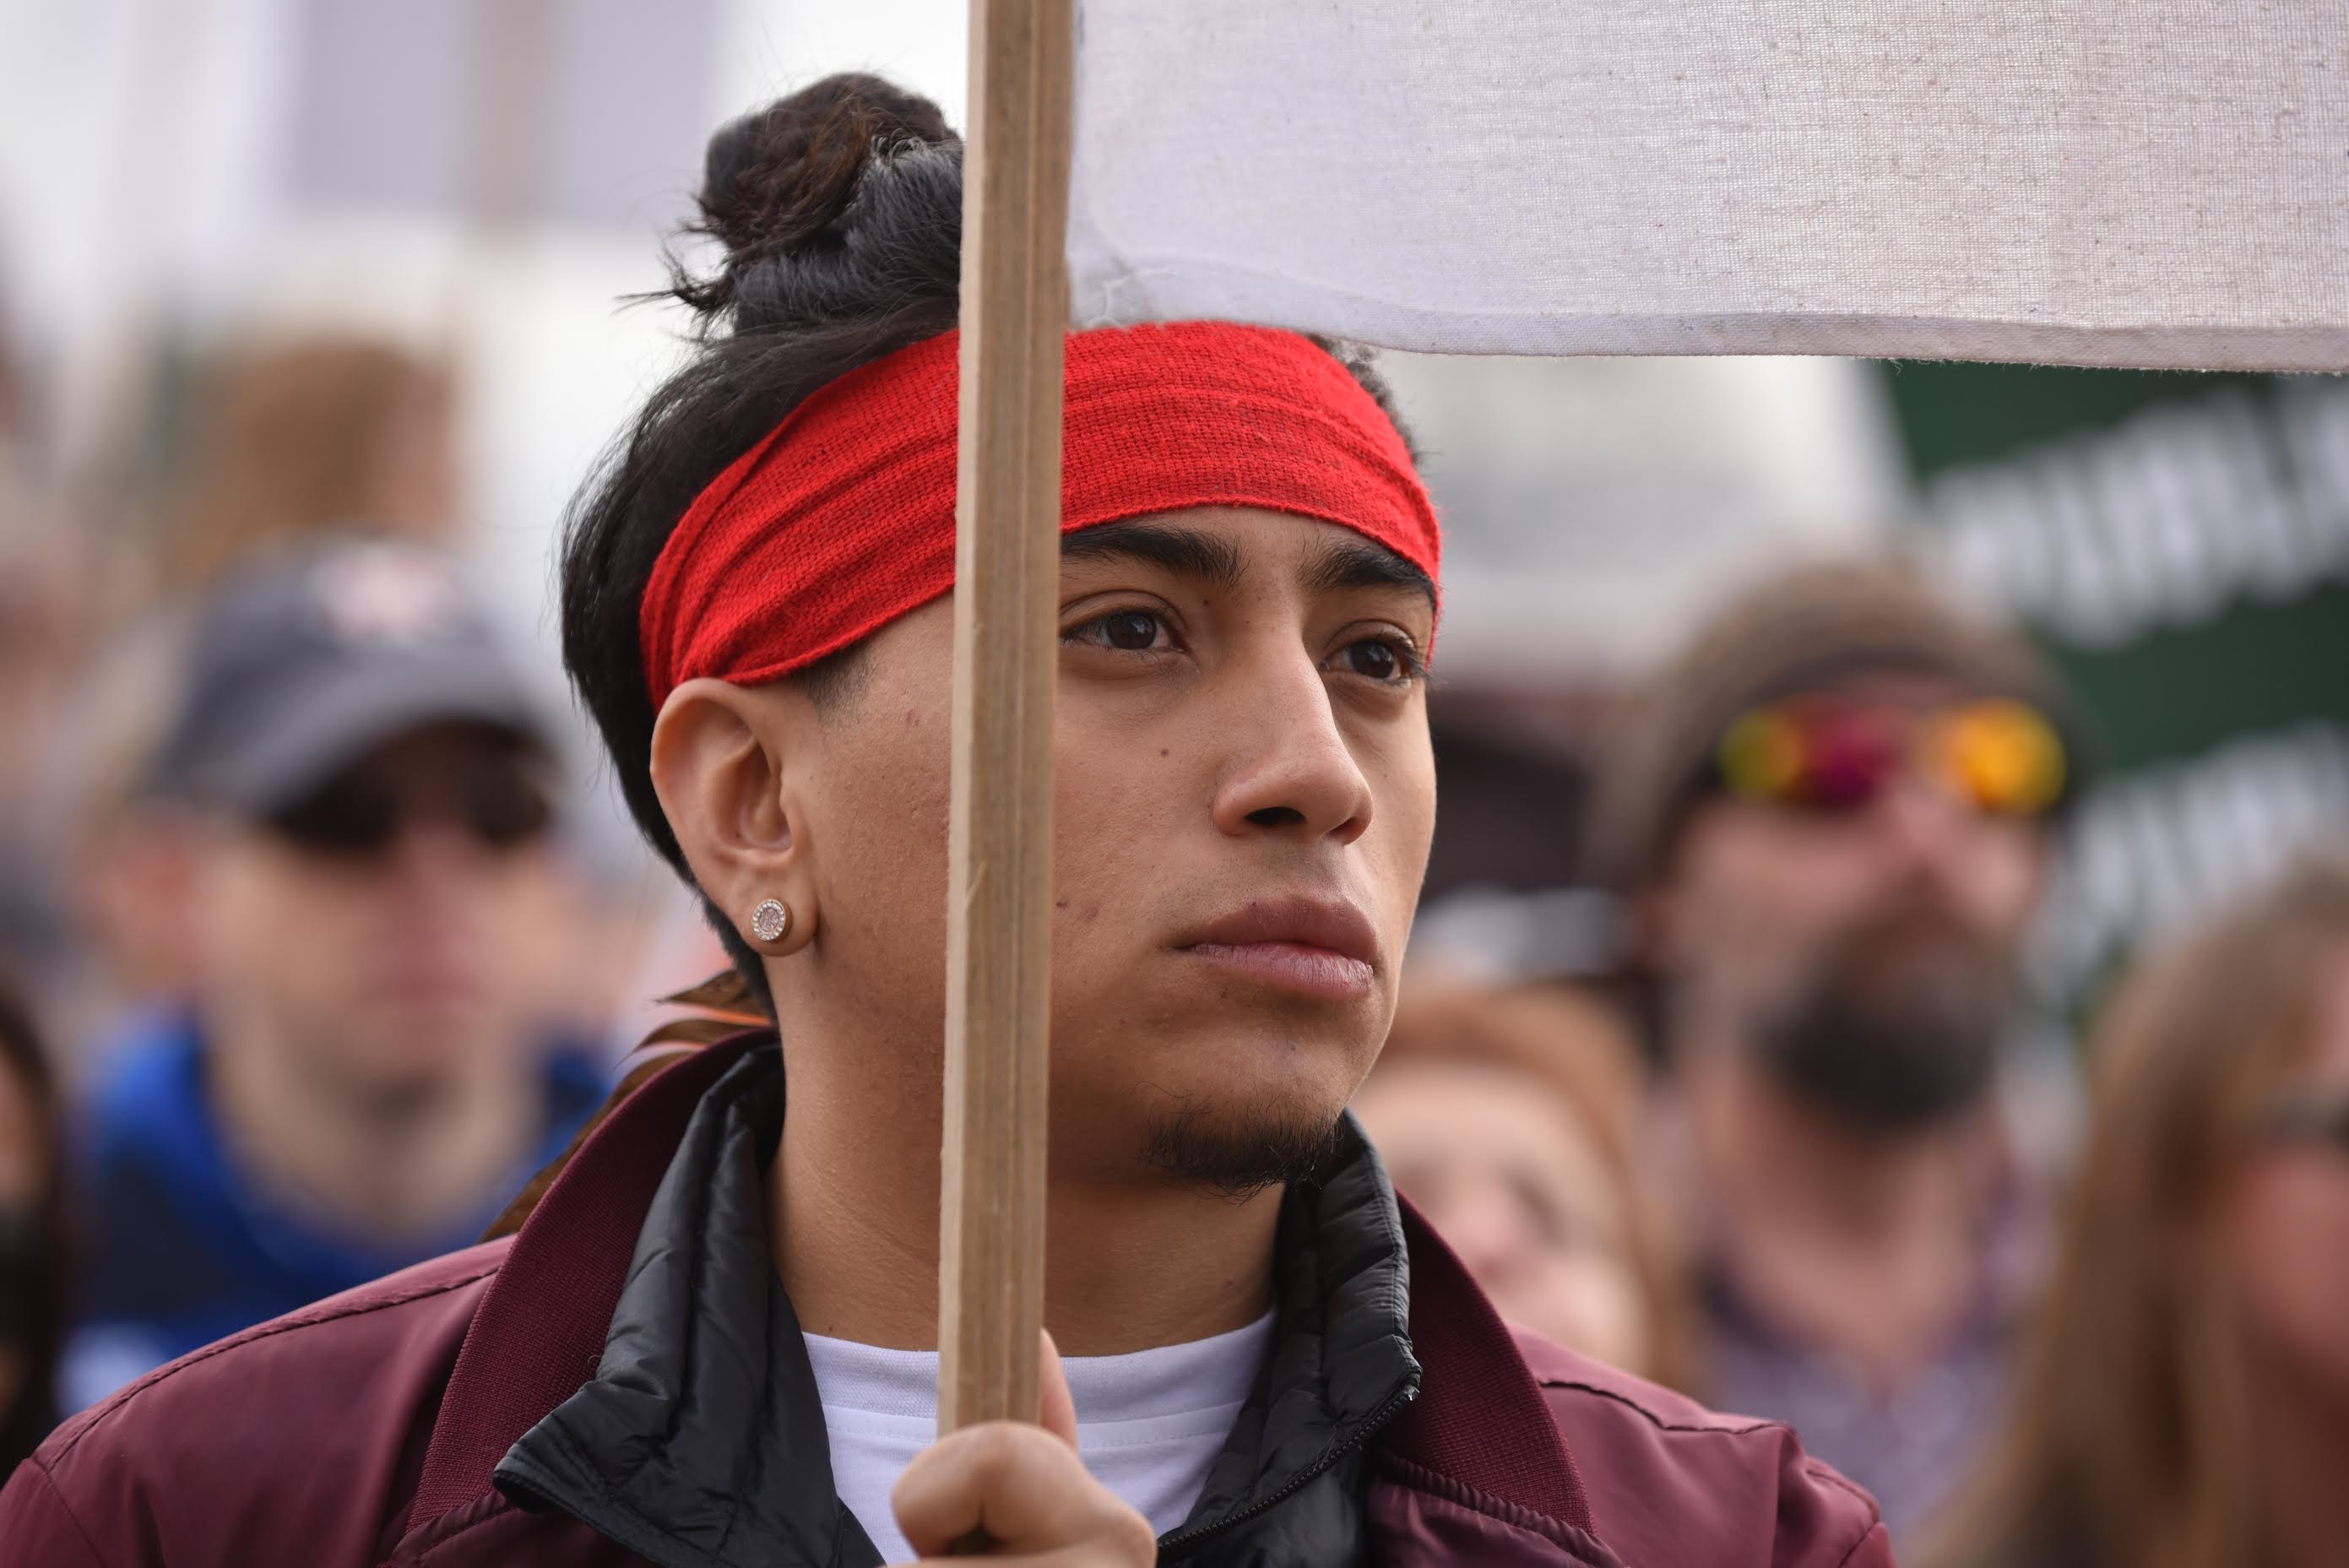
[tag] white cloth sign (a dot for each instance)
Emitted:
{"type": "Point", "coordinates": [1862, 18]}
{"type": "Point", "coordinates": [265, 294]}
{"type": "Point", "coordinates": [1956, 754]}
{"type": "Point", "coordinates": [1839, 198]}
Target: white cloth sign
{"type": "Point", "coordinates": [2146, 183]}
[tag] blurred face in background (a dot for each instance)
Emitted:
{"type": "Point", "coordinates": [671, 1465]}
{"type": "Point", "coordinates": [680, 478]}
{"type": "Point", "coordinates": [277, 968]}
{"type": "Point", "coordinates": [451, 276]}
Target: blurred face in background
{"type": "Point", "coordinates": [1862, 946]}
{"type": "Point", "coordinates": [1510, 1174]}
{"type": "Point", "coordinates": [2187, 1393]}
{"type": "Point", "coordinates": [391, 929]}
{"type": "Point", "coordinates": [2284, 1226]}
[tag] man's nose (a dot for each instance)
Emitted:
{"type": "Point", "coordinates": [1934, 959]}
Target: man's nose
{"type": "Point", "coordinates": [1924, 820]}
{"type": "Point", "coordinates": [434, 846]}
{"type": "Point", "coordinates": [1290, 768]}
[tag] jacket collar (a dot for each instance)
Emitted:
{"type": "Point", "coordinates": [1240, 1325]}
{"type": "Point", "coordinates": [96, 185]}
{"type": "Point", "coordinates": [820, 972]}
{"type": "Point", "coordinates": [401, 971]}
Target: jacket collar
{"type": "Point", "coordinates": [540, 1336]}
{"type": "Point", "coordinates": [1484, 1424]}
{"type": "Point", "coordinates": [699, 1442]}
{"type": "Point", "coordinates": [539, 1331]}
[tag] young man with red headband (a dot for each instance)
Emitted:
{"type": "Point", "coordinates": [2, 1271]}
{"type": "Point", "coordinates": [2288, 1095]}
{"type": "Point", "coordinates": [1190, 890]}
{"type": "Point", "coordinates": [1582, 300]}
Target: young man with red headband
{"type": "Point", "coordinates": [710, 1342]}
{"type": "Point", "coordinates": [1834, 816]}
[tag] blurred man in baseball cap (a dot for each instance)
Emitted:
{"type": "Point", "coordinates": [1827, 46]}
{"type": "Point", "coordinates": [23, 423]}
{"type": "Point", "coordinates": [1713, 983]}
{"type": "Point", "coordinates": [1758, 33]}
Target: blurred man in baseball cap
{"type": "Point", "coordinates": [359, 1078]}
{"type": "Point", "coordinates": [1832, 820]}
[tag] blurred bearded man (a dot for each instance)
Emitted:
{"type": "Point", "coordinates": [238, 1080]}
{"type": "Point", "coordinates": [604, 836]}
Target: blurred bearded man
{"type": "Point", "coordinates": [1831, 821]}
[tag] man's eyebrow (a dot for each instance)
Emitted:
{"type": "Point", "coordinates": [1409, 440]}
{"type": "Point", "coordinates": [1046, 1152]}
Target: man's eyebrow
{"type": "Point", "coordinates": [1358, 563]}
{"type": "Point", "coordinates": [1184, 551]}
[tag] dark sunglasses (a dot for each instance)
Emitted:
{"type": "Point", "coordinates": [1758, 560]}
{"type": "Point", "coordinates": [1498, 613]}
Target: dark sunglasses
{"type": "Point", "coordinates": [1823, 755]}
{"type": "Point", "coordinates": [2294, 1120]}
{"type": "Point", "coordinates": [357, 814]}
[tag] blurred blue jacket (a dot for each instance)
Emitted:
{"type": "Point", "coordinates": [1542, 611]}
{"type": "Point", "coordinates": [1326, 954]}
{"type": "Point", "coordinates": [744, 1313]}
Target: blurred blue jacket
{"type": "Point", "coordinates": [178, 1249]}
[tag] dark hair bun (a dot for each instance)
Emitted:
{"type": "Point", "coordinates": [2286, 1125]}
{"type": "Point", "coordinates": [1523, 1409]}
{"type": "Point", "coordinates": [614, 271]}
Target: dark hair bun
{"type": "Point", "coordinates": [809, 194]}
{"type": "Point", "coordinates": [839, 212]}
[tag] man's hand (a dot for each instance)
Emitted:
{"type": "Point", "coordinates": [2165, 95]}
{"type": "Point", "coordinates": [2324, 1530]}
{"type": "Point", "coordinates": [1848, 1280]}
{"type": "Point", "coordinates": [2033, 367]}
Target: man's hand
{"type": "Point", "coordinates": [1023, 1490]}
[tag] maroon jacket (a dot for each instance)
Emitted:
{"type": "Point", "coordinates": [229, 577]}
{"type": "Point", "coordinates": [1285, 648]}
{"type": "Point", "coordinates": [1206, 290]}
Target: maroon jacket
{"type": "Point", "coordinates": [364, 1430]}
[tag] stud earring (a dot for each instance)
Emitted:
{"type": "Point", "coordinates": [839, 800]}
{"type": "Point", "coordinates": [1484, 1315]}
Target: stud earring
{"type": "Point", "coordinates": [771, 920]}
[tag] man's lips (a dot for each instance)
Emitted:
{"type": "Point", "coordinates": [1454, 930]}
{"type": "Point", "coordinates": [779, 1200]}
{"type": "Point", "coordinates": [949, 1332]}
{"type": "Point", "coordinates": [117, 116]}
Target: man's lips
{"type": "Point", "coordinates": [1320, 947]}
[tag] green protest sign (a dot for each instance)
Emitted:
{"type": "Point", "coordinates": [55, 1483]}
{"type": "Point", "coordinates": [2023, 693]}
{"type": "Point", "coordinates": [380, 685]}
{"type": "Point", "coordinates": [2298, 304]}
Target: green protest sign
{"type": "Point", "coordinates": [2180, 546]}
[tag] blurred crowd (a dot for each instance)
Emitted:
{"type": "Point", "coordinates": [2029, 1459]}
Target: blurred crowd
{"type": "Point", "coordinates": [309, 961]}
{"type": "Point", "coordinates": [310, 970]}
{"type": "Point", "coordinates": [1790, 1154]}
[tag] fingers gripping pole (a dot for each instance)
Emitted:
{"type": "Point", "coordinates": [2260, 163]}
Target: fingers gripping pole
{"type": "Point", "coordinates": [1015, 311]}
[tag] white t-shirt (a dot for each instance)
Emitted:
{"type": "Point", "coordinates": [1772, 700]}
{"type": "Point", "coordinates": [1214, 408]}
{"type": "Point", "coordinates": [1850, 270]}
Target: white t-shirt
{"type": "Point", "coordinates": [1149, 1424]}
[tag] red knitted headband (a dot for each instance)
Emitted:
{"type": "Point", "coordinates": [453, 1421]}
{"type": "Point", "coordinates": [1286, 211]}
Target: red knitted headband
{"type": "Point", "coordinates": [843, 518]}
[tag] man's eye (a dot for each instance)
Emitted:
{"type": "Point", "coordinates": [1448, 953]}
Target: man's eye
{"type": "Point", "coordinates": [1376, 659]}
{"type": "Point", "coordinates": [1131, 631]}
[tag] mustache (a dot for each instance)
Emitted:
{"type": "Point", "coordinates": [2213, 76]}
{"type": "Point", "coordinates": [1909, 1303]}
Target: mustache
{"type": "Point", "coordinates": [1919, 909]}
{"type": "Point", "coordinates": [1913, 958]}
{"type": "Point", "coordinates": [1921, 947]}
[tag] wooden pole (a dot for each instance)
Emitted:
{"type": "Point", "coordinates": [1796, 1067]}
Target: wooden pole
{"type": "Point", "coordinates": [1014, 311]}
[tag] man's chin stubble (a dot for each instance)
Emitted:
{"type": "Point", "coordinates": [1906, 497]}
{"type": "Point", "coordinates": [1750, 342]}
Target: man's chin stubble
{"type": "Point", "coordinates": [1236, 1152]}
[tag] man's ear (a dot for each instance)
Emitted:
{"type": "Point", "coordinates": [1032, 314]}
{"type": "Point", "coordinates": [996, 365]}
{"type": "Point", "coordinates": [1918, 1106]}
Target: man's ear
{"type": "Point", "coordinates": [719, 756]}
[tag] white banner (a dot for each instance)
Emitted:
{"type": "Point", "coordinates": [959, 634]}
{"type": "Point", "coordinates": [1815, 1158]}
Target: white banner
{"type": "Point", "coordinates": [2142, 182]}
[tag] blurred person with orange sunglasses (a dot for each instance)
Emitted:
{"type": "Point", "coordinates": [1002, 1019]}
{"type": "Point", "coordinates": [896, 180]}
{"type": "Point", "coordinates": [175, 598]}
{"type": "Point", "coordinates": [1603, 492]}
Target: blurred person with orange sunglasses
{"type": "Point", "coordinates": [1512, 1117]}
{"type": "Point", "coordinates": [1832, 822]}
{"type": "Point", "coordinates": [2187, 1398]}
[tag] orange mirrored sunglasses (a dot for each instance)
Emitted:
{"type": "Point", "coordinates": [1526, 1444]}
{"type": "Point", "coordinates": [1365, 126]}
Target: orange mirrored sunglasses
{"type": "Point", "coordinates": [2001, 756]}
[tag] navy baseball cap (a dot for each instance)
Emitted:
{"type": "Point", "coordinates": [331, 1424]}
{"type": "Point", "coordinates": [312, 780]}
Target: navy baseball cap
{"type": "Point", "coordinates": [307, 660]}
